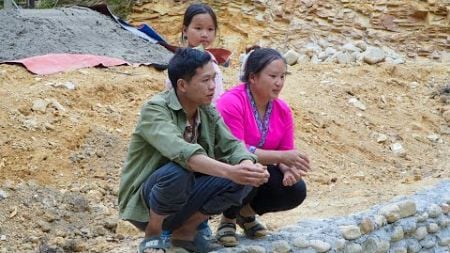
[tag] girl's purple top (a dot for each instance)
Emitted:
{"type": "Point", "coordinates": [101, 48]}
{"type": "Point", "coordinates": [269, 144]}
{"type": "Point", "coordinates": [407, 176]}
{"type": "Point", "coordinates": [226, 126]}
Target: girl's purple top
{"type": "Point", "coordinates": [236, 110]}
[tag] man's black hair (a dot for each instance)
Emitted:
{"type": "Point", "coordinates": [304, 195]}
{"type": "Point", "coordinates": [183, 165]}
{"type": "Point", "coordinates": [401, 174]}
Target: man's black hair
{"type": "Point", "coordinates": [184, 63]}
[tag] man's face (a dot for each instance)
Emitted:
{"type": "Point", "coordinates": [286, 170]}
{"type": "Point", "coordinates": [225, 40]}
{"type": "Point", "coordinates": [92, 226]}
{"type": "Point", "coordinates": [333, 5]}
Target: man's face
{"type": "Point", "coordinates": [200, 89]}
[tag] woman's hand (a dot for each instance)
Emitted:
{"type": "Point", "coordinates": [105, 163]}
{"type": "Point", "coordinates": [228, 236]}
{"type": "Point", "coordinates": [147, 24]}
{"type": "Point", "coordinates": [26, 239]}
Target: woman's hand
{"type": "Point", "coordinates": [291, 174]}
{"type": "Point", "coordinates": [293, 158]}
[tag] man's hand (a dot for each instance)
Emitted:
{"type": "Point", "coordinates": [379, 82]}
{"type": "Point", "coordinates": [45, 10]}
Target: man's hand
{"type": "Point", "coordinates": [249, 173]}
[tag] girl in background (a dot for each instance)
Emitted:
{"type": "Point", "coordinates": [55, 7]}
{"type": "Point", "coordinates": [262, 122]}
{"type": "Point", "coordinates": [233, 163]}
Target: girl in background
{"type": "Point", "coordinates": [199, 31]}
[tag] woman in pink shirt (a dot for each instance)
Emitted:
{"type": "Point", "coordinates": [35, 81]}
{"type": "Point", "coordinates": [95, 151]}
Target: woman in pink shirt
{"type": "Point", "coordinates": [255, 115]}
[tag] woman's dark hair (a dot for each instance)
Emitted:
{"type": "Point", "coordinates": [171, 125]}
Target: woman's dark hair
{"type": "Point", "coordinates": [195, 9]}
{"type": "Point", "coordinates": [258, 60]}
{"type": "Point", "coordinates": [184, 64]}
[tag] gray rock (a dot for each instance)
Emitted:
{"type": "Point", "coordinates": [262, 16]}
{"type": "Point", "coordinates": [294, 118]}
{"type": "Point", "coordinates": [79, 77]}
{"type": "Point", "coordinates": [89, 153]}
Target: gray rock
{"type": "Point", "coordinates": [350, 232]}
{"type": "Point", "coordinates": [398, 150]}
{"type": "Point", "coordinates": [361, 44]}
{"type": "Point", "coordinates": [357, 103]}
{"type": "Point", "coordinates": [367, 225]}
{"type": "Point", "coordinates": [375, 245]}
{"type": "Point", "coordinates": [421, 232]}
{"type": "Point", "coordinates": [344, 58]}
{"type": "Point", "coordinates": [255, 249]}
{"type": "Point", "coordinates": [428, 242]}
{"type": "Point", "coordinates": [434, 211]}
{"type": "Point", "coordinates": [303, 59]}
{"type": "Point", "coordinates": [353, 248]}
{"type": "Point", "coordinates": [339, 244]}
{"type": "Point", "coordinates": [413, 246]}
{"type": "Point", "coordinates": [422, 217]}
{"type": "Point", "coordinates": [3, 194]}
{"type": "Point", "coordinates": [291, 57]}
{"type": "Point", "coordinates": [443, 221]}
{"type": "Point", "coordinates": [409, 226]}
{"type": "Point", "coordinates": [432, 227]}
{"type": "Point", "coordinates": [320, 246]}
{"type": "Point", "coordinates": [397, 234]}
{"type": "Point", "coordinates": [391, 212]}
{"type": "Point", "coordinates": [443, 238]}
{"type": "Point", "coordinates": [407, 208]}
{"type": "Point", "coordinates": [39, 105]}
{"type": "Point", "coordinates": [349, 47]}
{"type": "Point", "coordinates": [300, 243]}
{"type": "Point", "coordinates": [281, 246]}
{"type": "Point", "coordinates": [374, 55]}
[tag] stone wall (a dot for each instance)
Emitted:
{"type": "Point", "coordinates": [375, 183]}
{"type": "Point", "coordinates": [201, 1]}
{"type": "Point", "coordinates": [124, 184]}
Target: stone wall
{"type": "Point", "coordinates": [412, 27]}
{"type": "Point", "coordinates": [418, 223]}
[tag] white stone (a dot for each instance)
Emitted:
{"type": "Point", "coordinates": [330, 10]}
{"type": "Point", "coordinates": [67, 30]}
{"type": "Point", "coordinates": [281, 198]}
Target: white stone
{"type": "Point", "coordinates": [397, 234]}
{"type": "Point", "coordinates": [381, 138]}
{"type": "Point", "coordinates": [372, 245]}
{"type": "Point", "coordinates": [432, 227]}
{"type": "Point", "coordinates": [350, 232]}
{"type": "Point", "coordinates": [391, 212]}
{"type": "Point", "coordinates": [356, 103]}
{"type": "Point", "coordinates": [3, 194]}
{"type": "Point", "coordinates": [353, 248]}
{"type": "Point", "coordinates": [361, 44]}
{"type": "Point", "coordinates": [344, 58]}
{"type": "Point", "coordinates": [339, 244]}
{"type": "Point", "coordinates": [421, 232]}
{"type": "Point", "coordinates": [398, 149]}
{"type": "Point", "coordinates": [434, 211]}
{"type": "Point", "coordinates": [320, 246]}
{"type": "Point", "coordinates": [291, 57]}
{"type": "Point", "coordinates": [367, 225]}
{"type": "Point", "coordinates": [254, 249]}
{"type": "Point", "coordinates": [351, 48]}
{"type": "Point", "coordinates": [407, 208]}
{"type": "Point", "coordinates": [39, 105]}
{"type": "Point", "coordinates": [55, 104]}
{"type": "Point", "coordinates": [300, 243]}
{"type": "Point", "coordinates": [281, 246]}
{"type": "Point", "coordinates": [374, 55]}
{"type": "Point", "coordinates": [446, 116]}
{"type": "Point", "coordinates": [303, 59]}
{"type": "Point", "coordinates": [443, 240]}
{"type": "Point", "coordinates": [433, 137]}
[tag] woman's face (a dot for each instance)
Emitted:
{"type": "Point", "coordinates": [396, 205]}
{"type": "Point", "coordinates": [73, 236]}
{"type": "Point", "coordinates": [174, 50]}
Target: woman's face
{"type": "Point", "coordinates": [268, 83]}
{"type": "Point", "coordinates": [201, 30]}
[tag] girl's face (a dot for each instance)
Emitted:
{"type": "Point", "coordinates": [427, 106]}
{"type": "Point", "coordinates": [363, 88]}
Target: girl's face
{"type": "Point", "coordinates": [201, 30]}
{"type": "Point", "coordinates": [270, 81]}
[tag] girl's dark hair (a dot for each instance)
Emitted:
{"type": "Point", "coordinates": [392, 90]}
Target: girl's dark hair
{"type": "Point", "coordinates": [195, 9]}
{"type": "Point", "coordinates": [258, 60]}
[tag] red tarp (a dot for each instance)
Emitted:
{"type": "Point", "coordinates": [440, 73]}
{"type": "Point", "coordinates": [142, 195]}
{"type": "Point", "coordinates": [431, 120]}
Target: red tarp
{"type": "Point", "coordinates": [53, 63]}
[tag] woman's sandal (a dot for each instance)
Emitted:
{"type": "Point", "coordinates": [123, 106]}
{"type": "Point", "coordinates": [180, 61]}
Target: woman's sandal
{"type": "Point", "coordinates": [226, 234]}
{"type": "Point", "coordinates": [154, 242]}
{"type": "Point", "coordinates": [252, 227]}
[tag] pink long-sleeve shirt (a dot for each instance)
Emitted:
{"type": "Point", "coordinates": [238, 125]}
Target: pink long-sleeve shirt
{"type": "Point", "coordinates": [236, 110]}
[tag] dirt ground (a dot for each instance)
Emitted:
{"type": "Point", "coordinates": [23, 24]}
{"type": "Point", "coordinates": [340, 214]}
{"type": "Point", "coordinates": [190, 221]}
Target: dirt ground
{"type": "Point", "coordinates": [77, 143]}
